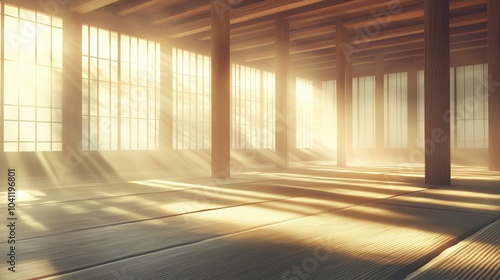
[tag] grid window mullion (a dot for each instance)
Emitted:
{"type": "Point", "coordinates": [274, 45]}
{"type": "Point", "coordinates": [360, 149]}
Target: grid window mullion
{"type": "Point", "coordinates": [32, 132]}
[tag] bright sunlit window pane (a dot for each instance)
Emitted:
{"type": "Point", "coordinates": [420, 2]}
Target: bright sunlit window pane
{"type": "Point", "coordinates": [363, 101]}
{"type": "Point", "coordinates": [396, 110]}
{"type": "Point", "coordinates": [140, 103]}
{"type": "Point", "coordinates": [96, 86]}
{"type": "Point", "coordinates": [468, 107]}
{"type": "Point", "coordinates": [305, 113]}
{"type": "Point", "coordinates": [252, 108]}
{"type": "Point", "coordinates": [470, 101]}
{"type": "Point", "coordinates": [269, 110]}
{"type": "Point", "coordinates": [191, 100]}
{"type": "Point", "coordinates": [33, 82]}
{"type": "Point", "coordinates": [119, 114]}
{"type": "Point", "coordinates": [12, 11]}
{"type": "Point", "coordinates": [327, 110]}
{"type": "Point", "coordinates": [420, 109]}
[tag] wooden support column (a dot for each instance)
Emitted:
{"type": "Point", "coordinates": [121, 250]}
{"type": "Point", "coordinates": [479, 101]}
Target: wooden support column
{"type": "Point", "coordinates": [437, 92]}
{"type": "Point", "coordinates": [282, 34]}
{"type": "Point", "coordinates": [72, 84]}
{"type": "Point", "coordinates": [494, 83]}
{"type": "Point", "coordinates": [348, 109]}
{"type": "Point", "coordinates": [412, 103]}
{"type": "Point", "coordinates": [221, 93]}
{"type": "Point", "coordinates": [166, 97]}
{"type": "Point", "coordinates": [340, 58]}
{"type": "Point", "coordinates": [379, 106]}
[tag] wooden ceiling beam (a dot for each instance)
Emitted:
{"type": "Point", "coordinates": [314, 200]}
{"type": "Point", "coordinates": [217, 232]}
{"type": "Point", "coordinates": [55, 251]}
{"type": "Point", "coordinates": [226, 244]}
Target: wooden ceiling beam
{"type": "Point", "coordinates": [266, 8]}
{"type": "Point", "coordinates": [468, 37]}
{"type": "Point", "coordinates": [331, 66]}
{"type": "Point", "coordinates": [239, 15]}
{"type": "Point", "coordinates": [249, 28]}
{"type": "Point", "coordinates": [297, 52]}
{"type": "Point", "coordinates": [393, 41]}
{"type": "Point", "coordinates": [260, 40]}
{"type": "Point", "coordinates": [464, 28]}
{"type": "Point", "coordinates": [190, 28]}
{"type": "Point", "coordinates": [259, 56]}
{"type": "Point", "coordinates": [470, 55]}
{"type": "Point", "coordinates": [418, 38]}
{"type": "Point", "coordinates": [311, 55]}
{"type": "Point", "coordinates": [392, 49]}
{"type": "Point", "coordinates": [87, 6]}
{"type": "Point", "coordinates": [465, 46]}
{"type": "Point", "coordinates": [135, 6]}
{"type": "Point", "coordinates": [251, 43]}
{"type": "Point", "coordinates": [407, 13]}
{"type": "Point", "coordinates": [370, 24]}
{"type": "Point", "coordinates": [320, 68]}
{"type": "Point", "coordinates": [316, 61]}
{"type": "Point", "coordinates": [468, 29]}
{"type": "Point", "coordinates": [313, 31]}
{"type": "Point", "coordinates": [179, 12]}
{"type": "Point", "coordinates": [313, 46]}
{"type": "Point", "coordinates": [242, 34]}
{"type": "Point", "coordinates": [388, 34]}
{"type": "Point", "coordinates": [456, 47]}
{"type": "Point", "coordinates": [415, 45]}
{"type": "Point", "coordinates": [459, 42]}
{"type": "Point", "coordinates": [252, 26]}
{"type": "Point", "coordinates": [458, 25]}
{"type": "Point", "coordinates": [339, 8]}
{"type": "Point", "coordinates": [468, 19]}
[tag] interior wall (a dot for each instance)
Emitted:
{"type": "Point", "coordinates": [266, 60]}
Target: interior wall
{"type": "Point", "coordinates": [72, 162]}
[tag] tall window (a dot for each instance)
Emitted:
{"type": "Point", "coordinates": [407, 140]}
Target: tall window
{"type": "Point", "coordinates": [100, 97]}
{"type": "Point", "coordinates": [268, 110]}
{"type": "Point", "coordinates": [363, 100]}
{"type": "Point", "coordinates": [252, 108]}
{"type": "Point", "coordinates": [246, 107]}
{"type": "Point", "coordinates": [396, 110]}
{"type": "Point", "coordinates": [420, 109]}
{"type": "Point", "coordinates": [327, 126]}
{"type": "Point", "coordinates": [471, 100]}
{"type": "Point", "coordinates": [468, 107]}
{"type": "Point", "coordinates": [140, 93]}
{"type": "Point", "coordinates": [305, 113]}
{"type": "Point", "coordinates": [191, 100]}
{"type": "Point", "coordinates": [32, 89]}
{"type": "Point", "coordinates": [120, 91]}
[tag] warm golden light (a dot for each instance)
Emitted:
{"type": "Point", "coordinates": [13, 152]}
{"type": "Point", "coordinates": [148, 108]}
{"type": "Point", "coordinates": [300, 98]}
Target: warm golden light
{"type": "Point", "coordinates": [33, 106]}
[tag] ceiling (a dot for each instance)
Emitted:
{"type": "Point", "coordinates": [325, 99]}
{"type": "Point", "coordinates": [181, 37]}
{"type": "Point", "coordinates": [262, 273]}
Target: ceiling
{"type": "Point", "coordinates": [392, 28]}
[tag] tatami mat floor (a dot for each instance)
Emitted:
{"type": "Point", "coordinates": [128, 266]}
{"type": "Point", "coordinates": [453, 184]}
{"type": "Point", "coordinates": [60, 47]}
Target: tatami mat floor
{"type": "Point", "coordinates": [313, 221]}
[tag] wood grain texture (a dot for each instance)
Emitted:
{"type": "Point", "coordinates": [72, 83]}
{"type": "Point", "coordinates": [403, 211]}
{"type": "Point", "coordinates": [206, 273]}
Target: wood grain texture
{"type": "Point", "coordinates": [221, 89]}
{"type": "Point", "coordinates": [437, 92]}
{"type": "Point", "coordinates": [494, 80]}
